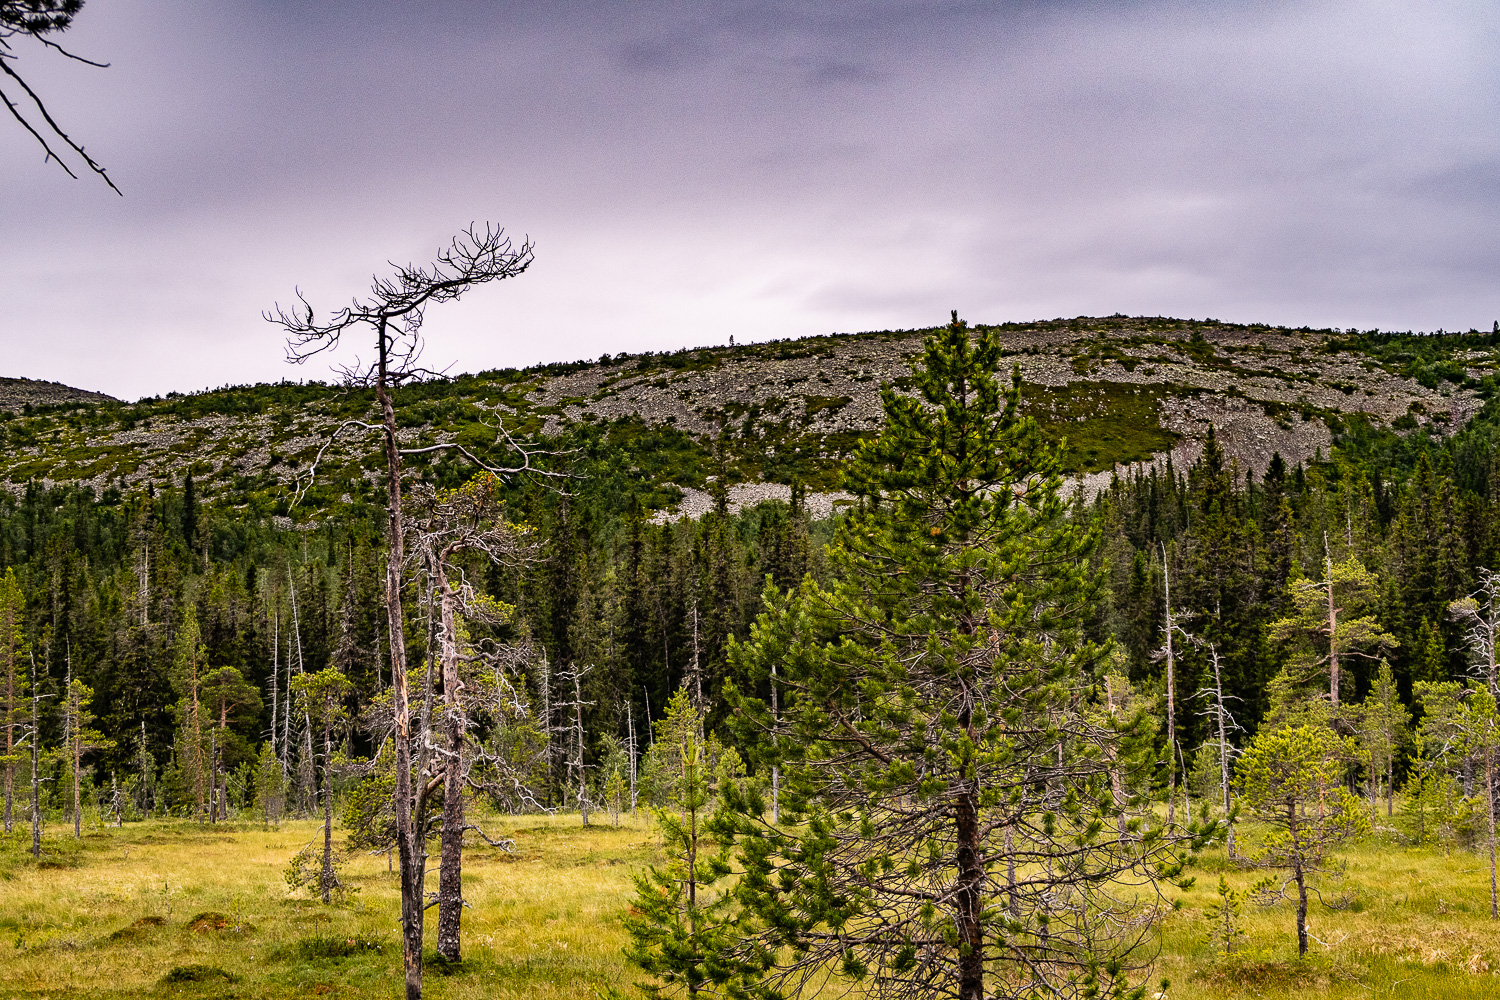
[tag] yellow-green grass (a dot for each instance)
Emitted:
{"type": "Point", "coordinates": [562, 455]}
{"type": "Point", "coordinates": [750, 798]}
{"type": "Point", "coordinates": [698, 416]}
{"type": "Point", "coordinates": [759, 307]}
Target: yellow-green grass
{"type": "Point", "coordinates": [544, 923]}
{"type": "Point", "coordinates": [545, 920]}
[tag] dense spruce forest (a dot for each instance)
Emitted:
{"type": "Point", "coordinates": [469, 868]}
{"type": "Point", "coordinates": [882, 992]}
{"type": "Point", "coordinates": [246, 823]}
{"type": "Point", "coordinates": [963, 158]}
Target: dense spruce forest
{"type": "Point", "coordinates": [165, 656]}
{"type": "Point", "coordinates": [104, 589]}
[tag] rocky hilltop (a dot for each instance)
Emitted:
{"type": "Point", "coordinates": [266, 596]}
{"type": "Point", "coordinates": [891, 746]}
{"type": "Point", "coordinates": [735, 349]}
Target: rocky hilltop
{"type": "Point", "coordinates": [1118, 390]}
{"type": "Point", "coordinates": [16, 394]}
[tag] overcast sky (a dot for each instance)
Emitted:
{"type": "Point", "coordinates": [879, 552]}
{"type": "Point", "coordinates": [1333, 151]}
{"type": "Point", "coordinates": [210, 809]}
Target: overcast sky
{"type": "Point", "coordinates": [691, 171]}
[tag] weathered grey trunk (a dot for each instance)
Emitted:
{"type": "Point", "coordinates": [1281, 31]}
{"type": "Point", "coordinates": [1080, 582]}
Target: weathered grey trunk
{"type": "Point", "coordinates": [450, 876]}
{"type": "Point", "coordinates": [1489, 785]}
{"type": "Point", "coordinates": [409, 840]}
{"type": "Point", "coordinates": [1166, 579]}
{"type": "Point", "coordinates": [77, 775]}
{"type": "Point", "coordinates": [10, 766]}
{"type": "Point", "coordinates": [1223, 751]}
{"type": "Point", "coordinates": [634, 753]}
{"type": "Point", "coordinates": [213, 776]}
{"type": "Point", "coordinates": [328, 879]}
{"type": "Point", "coordinates": [1301, 911]}
{"type": "Point", "coordinates": [775, 768]}
{"type": "Point", "coordinates": [1333, 624]}
{"type": "Point", "coordinates": [36, 784]}
{"type": "Point", "coordinates": [583, 784]}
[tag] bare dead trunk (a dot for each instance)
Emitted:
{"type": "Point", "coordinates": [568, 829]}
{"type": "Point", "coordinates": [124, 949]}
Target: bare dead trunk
{"type": "Point", "coordinates": [1489, 786]}
{"type": "Point", "coordinates": [1390, 788]}
{"type": "Point", "coordinates": [775, 768]}
{"type": "Point", "coordinates": [327, 879]}
{"type": "Point", "coordinates": [634, 753]}
{"type": "Point", "coordinates": [10, 726]}
{"type": "Point", "coordinates": [213, 775]}
{"type": "Point", "coordinates": [1223, 750]}
{"type": "Point", "coordinates": [1166, 579]}
{"type": "Point", "coordinates": [36, 784]}
{"type": "Point", "coordinates": [77, 805]}
{"type": "Point", "coordinates": [450, 876]}
{"type": "Point", "coordinates": [198, 749]}
{"type": "Point", "coordinates": [583, 784]}
{"type": "Point", "coordinates": [11, 693]}
{"type": "Point", "coordinates": [409, 842]}
{"type": "Point", "coordinates": [1333, 621]}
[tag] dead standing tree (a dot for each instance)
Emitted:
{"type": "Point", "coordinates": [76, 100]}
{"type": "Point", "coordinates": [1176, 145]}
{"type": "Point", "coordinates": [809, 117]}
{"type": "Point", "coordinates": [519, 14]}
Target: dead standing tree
{"type": "Point", "coordinates": [446, 524]}
{"type": "Point", "coordinates": [393, 314]}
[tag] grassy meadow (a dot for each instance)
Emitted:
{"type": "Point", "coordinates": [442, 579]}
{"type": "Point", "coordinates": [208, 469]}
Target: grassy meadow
{"type": "Point", "coordinates": [177, 909]}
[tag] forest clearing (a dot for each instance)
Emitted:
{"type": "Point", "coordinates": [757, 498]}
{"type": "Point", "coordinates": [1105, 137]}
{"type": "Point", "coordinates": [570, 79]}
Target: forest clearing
{"type": "Point", "coordinates": [723, 615]}
{"type": "Point", "coordinates": [965, 743]}
{"type": "Point", "coordinates": [117, 914]}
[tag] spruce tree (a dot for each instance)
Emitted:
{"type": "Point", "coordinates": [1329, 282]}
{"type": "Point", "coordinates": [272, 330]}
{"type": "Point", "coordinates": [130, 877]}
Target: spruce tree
{"type": "Point", "coordinates": [1383, 721]}
{"type": "Point", "coordinates": [1291, 780]}
{"type": "Point", "coordinates": [322, 696]}
{"type": "Point", "coordinates": [80, 738]}
{"type": "Point", "coordinates": [684, 927]}
{"type": "Point", "coordinates": [948, 826]}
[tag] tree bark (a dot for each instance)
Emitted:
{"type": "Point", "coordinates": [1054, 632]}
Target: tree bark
{"type": "Point", "coordinates": [10, 706]}
{"type": "Point", "coordinates": [409, 840]}
{"type": "Point", "coordinates": [1489, 786]}
{"type": "Point", "coordinates": [1333, 624]}
{"type": "Point", "coordinates": [450, 876]}
{"type": "Point", "coordinates": [77, 765]}
{"type": "Point", "coordinates": [583, 785]}
{"type": "Point", "coordinates": [969, 899]}
{"type": "Point", "coordinates": [327, 878]}
{"type": "Point", "coordinates": [1223, 752]}
{"type": "Point", "coordinates": [1166, 577]}
{"type": "Point", "coordinates": [36, 784]}
{"type": "Point", "coordinates": [1301, 913]}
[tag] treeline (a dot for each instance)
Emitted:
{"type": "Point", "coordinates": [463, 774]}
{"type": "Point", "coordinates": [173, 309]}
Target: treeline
{"type": "Point", "coordinates": [104, 588]}
{"type": "Point", "coordinates": [1419, 514]}
{"type": "Point", "coordinates": [144, 598]}
{"type": "Point", "coordinates": [970, 662]}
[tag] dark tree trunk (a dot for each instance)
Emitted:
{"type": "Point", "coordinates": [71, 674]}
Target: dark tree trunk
{"type": "Point", "coordinates": [969, 901]}
{"type": "Point", "coordinates": [1301, 912]}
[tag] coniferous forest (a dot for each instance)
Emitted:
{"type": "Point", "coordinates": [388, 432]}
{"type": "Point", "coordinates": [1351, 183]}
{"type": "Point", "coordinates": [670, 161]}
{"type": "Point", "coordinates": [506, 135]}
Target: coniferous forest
{"type": "Point", "coordinates": [954, 740]}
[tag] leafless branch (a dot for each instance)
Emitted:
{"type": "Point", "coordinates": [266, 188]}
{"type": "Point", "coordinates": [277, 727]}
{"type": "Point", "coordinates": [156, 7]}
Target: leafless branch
{"type": "Point", "coordinates": [475, 256]}
{"type": "Point", "coordinates": [35, 20]}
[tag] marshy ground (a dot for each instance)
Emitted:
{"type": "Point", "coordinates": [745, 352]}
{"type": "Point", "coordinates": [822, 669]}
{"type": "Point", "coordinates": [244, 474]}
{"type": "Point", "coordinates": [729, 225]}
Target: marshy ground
{"type": "Point", "coordinates": [171, 908]}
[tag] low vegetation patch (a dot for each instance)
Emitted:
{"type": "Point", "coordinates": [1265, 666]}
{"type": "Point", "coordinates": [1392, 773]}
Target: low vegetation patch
{"type": "Point", "coordinates": [198, 974]}
{"type": "Point", "coordinates": [139, 929]}
{"type": "Point", "coordinates": [325, 947]}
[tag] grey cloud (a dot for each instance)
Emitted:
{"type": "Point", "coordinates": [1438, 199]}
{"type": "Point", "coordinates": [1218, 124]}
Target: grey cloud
{"type": "Point", "coordinates": [763, 169]}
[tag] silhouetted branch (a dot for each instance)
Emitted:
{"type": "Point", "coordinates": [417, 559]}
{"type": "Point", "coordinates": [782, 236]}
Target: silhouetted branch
{"type": "Point", "coordinates": [35, 19]}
